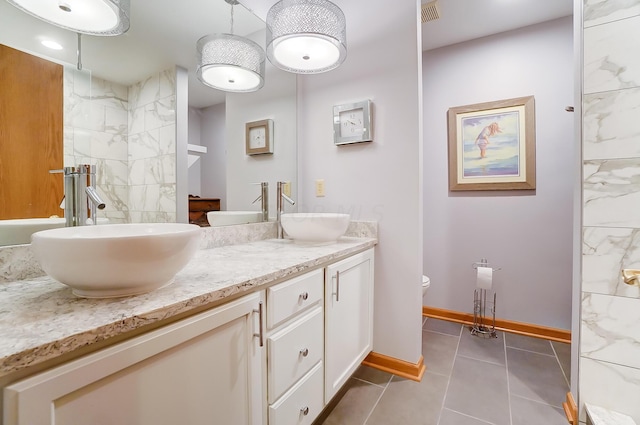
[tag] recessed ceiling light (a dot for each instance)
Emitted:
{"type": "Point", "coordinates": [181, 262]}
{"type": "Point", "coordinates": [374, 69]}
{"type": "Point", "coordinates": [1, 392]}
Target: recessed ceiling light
{"type": "Point", "coordinates": [51, 44]}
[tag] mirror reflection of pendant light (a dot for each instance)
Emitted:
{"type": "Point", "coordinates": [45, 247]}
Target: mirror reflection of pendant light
{"type": "Point", "coordinates": [93, 17]}
{"type": "Point", "coordinates": [229, 62]}
{"type": "Point", "coordinates": [306, 36]}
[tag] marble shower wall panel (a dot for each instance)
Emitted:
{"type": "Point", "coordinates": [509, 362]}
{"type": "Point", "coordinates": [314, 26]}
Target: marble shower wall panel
{"type": "Point", "coordinates": [609, 373]}
{"type": "Point", "coordinates": [152, 149]}
{"type": "Point", "coordinates": [611, 329]}
{"type": "Point", "coordinates": [608, 64]}
{"type": "Point", "coordinates": [598, 12]}
{"type": "Point", "coordinates": [611, 193]}
{"type": "Point", "coordinates": [611, 124]}
{"type": "Point", "coordinates": [96, 130]}
{"type": "Point", "coordinates": [606, 251]}
{"type": "Point", "coordinates": [610, 385]}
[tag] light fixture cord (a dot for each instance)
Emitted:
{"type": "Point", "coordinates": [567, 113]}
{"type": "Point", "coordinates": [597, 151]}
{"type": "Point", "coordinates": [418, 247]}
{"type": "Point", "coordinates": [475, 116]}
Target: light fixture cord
{"type": "Point", "coordinates": [232, 19]}
{"type": "Point", "coordinates": [79, 52]}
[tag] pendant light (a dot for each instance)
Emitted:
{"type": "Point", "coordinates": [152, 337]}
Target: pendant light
{"type": "Point", "coordinates": [93, 17]}
{"type": "Point", "coordinates": [306, 36]}
{"type": "Point", "coordinates": [229, 62]}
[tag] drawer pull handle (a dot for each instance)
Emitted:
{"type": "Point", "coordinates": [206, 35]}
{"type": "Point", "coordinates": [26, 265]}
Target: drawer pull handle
{"type": "Point", "coordinates": [304, 352]}
{"type": "Point", "coordinates": [260, 335]}
{"type": "Point", "coordinates": [304, 296]}
{"type": "Point", "coordinates": [305, 410]}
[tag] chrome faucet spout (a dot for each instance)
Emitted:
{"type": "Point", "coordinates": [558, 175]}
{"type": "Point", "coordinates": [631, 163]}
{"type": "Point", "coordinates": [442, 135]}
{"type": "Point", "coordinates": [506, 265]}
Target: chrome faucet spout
{"type": "Point", "coordinates": [94, 197]}
{"type": "Point", "coordinates": [280, 206]}
{"type": "Point", "coordinates": [80, 196]}
{"type": "Point", "coordinates": [264, 197]}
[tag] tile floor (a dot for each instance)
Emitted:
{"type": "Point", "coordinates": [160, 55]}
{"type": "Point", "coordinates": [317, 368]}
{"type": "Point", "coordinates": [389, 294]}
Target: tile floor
{"type": "Point", "coordinates": [470, 380]}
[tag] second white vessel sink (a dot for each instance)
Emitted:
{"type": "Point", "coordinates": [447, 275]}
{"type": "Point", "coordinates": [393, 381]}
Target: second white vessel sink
{"type": "Point", "coordinates": [116, 260]}
{"type": "Point", "coordinates": [315, 228]}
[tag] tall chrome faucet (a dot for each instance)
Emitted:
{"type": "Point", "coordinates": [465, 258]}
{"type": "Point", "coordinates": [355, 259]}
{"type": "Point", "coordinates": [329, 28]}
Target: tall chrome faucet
{"type": "Point", "coordinates": [81, 200]}
{"type": "Point", "coordinates": [264, 198]}
{"type": "Point", "coordinates": [280, 206]}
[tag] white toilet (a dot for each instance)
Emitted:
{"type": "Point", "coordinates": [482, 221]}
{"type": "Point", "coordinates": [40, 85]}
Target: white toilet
{"type": "Point", "coordinates": [426, 282]}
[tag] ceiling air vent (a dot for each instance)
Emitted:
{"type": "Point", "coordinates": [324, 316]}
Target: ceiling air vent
{"type": "Point", "coordinates": [430, 11]}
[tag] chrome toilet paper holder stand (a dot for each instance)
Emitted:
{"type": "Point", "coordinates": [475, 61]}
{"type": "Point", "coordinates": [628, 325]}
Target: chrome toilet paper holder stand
{"type": "Point", "coordinates": [480, 326]}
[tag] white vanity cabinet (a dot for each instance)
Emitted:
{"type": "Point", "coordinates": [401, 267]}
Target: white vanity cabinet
{"type": "Point", "coordinates": [205, 369]}
{"type": "Point", "coordinates": [276, 357]}
{"type": "Point", "coordinates": [320, 328]}
{"type": "Point", "coordinates": [295, 349]}
{"type": "Point", "coordinates": [348, 318]}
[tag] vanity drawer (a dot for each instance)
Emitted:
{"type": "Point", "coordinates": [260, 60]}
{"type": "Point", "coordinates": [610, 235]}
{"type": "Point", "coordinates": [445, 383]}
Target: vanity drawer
{"type": "Point", "coordinates": [288, 298]}
{"type": "Point", "coordinates": [302, 404]}
{"type": "Point", "coordinates": [293, 351]}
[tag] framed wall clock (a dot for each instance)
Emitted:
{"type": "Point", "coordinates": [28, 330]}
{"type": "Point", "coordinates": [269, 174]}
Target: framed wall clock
{"type": "Point", "coordinates": [352, 123]}
{"type": "Point", "coordinates": [259, 137]}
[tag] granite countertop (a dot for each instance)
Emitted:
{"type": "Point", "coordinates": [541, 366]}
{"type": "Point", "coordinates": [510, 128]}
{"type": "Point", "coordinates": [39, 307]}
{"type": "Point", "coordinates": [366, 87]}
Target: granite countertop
{"type": "Point", "coordinates": [41, 319]}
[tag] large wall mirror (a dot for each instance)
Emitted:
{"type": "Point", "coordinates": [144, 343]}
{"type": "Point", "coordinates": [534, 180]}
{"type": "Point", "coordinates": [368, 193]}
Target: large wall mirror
{"type": "Point", "coordinates": [124, 112]}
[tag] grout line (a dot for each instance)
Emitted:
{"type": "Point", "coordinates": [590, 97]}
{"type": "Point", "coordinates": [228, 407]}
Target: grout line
{"type": "Point", "coordinates": [450, 374]}
{"type": "Point", "coordinates": [378, 400]}
{"type": "Point", "coordinates": [537, 401]}
{"type": "Point", "coordinates": [439, 333]}
{"type": "Point", "coordinates": [369, 382]}
{"type": "Point", "coordinates": [564, 374]}
{"type": "Point", "coordinates": [506, 369]}
{"type": "Point", "coordinates": [485, 361]}
{"type": "Point", "coordinates": [534, 352]}
{"type": "Point", "coordinates": [468, 416]}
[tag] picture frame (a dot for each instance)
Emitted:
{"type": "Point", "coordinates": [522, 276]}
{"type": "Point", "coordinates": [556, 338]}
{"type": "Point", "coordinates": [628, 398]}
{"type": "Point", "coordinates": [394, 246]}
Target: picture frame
{"type": "Point", "coordinates": [352, 123]}
{"type": "Point", "coordinates": [259, 137]}
{"type": "Point", "coordinates": [492, 145]}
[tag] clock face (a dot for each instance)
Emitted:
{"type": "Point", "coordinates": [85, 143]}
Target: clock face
{"type": "Point", "coordinates": [257, 137]}
{"type": "Point", "coordinates": [351, 123]}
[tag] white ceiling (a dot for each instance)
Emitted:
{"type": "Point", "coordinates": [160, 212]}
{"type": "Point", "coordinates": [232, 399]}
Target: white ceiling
{"type": "Point", "coordinates": [463, 20]}
{"type": "Point", "coordinates": [165, 32]}
{"type": "Point", "coordinates": [162, 33]}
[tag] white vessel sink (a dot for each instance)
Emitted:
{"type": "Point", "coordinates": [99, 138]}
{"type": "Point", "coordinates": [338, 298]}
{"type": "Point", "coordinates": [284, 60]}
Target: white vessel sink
{"type": "Point", "coordinates": [314, 228]}
{"type": "Point", "coordinates": [225, 218]}
{"type": "Point", "coordinates": [19, 231]}
{"type": "Point", "coordinates": [116, 260]}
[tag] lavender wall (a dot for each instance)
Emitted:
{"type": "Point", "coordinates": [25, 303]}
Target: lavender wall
{"type": "Point", "coordinates": [526, 233]}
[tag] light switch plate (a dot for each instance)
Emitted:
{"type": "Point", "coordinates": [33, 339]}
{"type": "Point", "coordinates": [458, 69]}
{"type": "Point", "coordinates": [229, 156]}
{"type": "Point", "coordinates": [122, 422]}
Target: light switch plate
{"type": "Point", "coordinates": [319, 188]}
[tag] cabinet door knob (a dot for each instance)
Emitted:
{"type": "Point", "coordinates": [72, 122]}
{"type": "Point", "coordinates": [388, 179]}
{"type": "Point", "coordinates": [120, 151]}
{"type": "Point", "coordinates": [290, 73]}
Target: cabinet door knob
{"type": "Point", "coordinates": [304, 296]}
{"type": "Point", "coordinates": [304, 352]}
{"type": "Point", "coordinates": [305, 410]}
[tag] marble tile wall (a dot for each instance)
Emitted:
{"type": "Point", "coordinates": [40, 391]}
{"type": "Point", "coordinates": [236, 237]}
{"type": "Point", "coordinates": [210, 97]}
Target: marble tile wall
{"type": "Point", "coordinates": [96, 132]}
{"type": "Point", "coordinates": [610, 317]}
{"type": "Point", "coordinates": [129, 134]}
{"type": "Point", "coordinates": [152, 149]}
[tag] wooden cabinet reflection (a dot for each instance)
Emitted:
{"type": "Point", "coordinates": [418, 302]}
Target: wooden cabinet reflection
{"type": "Point", "coordinates": [199, 207]}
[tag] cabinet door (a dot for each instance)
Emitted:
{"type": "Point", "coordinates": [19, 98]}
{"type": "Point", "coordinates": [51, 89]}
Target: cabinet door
{"type": "Point", "coordinates": [348, 318]}
{"type": "Point", "coordinates": [206, 369]}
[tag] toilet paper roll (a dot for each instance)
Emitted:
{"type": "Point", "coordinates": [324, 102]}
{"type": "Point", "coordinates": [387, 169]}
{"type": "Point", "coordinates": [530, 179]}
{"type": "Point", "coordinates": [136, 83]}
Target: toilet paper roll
{"type": "Point", "coordinates": [484, 278]}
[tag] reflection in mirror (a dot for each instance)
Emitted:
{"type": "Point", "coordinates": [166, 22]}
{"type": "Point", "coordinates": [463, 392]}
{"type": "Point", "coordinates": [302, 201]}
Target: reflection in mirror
{"type": "Point", "coordinates": [123, 115]}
